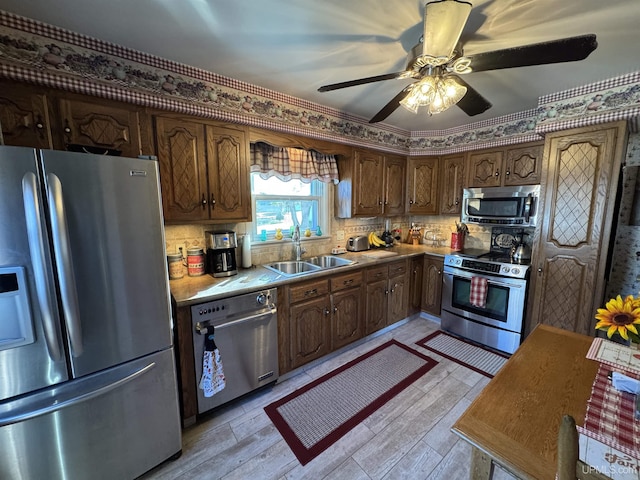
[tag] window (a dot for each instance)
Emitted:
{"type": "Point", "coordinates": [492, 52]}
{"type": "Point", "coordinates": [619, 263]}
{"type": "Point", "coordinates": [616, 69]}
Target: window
{"type": "Point", "coordinates": [282, 205]}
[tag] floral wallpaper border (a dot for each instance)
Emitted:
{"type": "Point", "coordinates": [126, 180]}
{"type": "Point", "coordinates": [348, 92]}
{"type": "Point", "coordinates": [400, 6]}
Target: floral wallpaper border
{"type": "Point", "coordinates": [38, 53]}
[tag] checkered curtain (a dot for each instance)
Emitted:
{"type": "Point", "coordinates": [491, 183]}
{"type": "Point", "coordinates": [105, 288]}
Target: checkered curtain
{"type": "Point", "coordinates": [286, 163]}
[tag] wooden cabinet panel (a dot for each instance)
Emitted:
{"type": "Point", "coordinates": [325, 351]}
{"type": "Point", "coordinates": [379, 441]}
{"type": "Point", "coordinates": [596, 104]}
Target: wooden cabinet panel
{"type": "Point", "coordinates": [394, 184]}
{"type": "Point", "coordinates": [308, 290]}
{"type": "Point", "coordinates": [523, 165]}
{"type": "Point", "coordinates": [228, 165]}
{"type": "Point", "coordinates": [369, 171]}
{"type": "Point", "coordinates": [310, 331]}
{"type": "Point", "coordinates": [346, 317]}
{"type": "Point", "coordinates": [452, 184]}
{"type": "Point", "coordinates": [348, 280]}
{"type": "Point", "coordinates": [398, 298]}
{"type": "Point", "coordinates": [571, 245]}
{"type": "Point", "coordinates": [432, 284]}
{"type": "Point", "coordinates": [24, 117]}
{"type": "Point", "coordinates": [376, 306]}
{"type": "Point", "coordinates": [387, 295]}
{"type": "Point", "coordinates": [183, 170]}
{"type": "Point", "coordinates": [422, 185]}
{"type": "Point", "coordinates": [415, 285]}
{"type": "Point", "coordinates": [485, 169]}
{"type": "Point", "coordinates": [102, 125]}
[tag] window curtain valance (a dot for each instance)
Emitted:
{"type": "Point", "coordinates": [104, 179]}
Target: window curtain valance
{"type": "Point", "coordinates": [293, 163]}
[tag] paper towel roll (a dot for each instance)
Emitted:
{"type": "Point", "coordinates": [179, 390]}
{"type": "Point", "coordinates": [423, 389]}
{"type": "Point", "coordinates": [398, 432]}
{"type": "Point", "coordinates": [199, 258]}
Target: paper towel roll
{"type": "Point", "coordinates": [246, 251]}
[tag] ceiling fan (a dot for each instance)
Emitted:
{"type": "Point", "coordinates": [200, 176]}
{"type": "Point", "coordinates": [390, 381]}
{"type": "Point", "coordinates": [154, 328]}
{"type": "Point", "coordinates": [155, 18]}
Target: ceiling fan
{"type": "Point", "coordinates": [438, 61]}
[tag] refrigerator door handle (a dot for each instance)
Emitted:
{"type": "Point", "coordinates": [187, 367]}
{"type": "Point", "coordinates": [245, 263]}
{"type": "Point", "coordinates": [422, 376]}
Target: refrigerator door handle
{"type": "Point", "coordinates": [28, 408]}
{"type": "Point", "coordinates": [64, 264]}
{"type": "Point", "coordinates": [37, 246]}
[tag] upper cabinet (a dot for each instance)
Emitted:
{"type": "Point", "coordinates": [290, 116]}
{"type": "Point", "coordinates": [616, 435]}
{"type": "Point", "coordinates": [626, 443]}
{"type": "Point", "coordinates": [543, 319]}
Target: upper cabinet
{"type": "Point", "coordinates": [422, 185]}
{"type": "Point", "coordinates": [371, 184]}
{"type": "Point", "coordinates": [451, 184]}
{"type": "Point", "coordinates": [204, 171]}
{"type": "Point", "coordinates": [24, 116]}
{"type": "Point", "coordinates": [520, 165]}
{"type": "Point", "coordinates": [100, 126]}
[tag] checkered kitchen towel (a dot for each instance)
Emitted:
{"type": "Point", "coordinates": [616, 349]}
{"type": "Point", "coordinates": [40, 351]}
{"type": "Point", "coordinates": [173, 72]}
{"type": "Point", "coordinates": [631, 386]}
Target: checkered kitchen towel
{"type": "Point", "coordinates": [609, 417]}
{"type": "Point", "coordinates": [478, 292]}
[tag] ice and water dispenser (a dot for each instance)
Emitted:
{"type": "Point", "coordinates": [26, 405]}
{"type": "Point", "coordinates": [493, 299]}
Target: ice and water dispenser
{"type": "Point", "coordinates": [16, 326]}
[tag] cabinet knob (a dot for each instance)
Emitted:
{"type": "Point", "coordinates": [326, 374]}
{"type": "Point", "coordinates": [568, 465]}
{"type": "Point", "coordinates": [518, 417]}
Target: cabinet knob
{"type": "Point", "coordinates": [439, 272]}
{"type": "Point", "coordinates": [67, 128]}
{"type": "Point", "coordinates": [335, 309]}
{"type": "Point", "coordinates": [539, 269]}
{"type": "Point", "coordinates": [213, 200]}
{"type": "Point", "coordinates": [204, 201]}
{"type": "Point", "coordinates": [497, 173]}
{"type": "Point", "coordinates": [327, 311]}
{"type": "Point", "coordinates": [507, 173]}
{"type": "Point", "coordinates": [386, 292]}
{"type": "Point", "coordinates": [410, 202]}
{"type": "Point", "coordinates": [457, 202]}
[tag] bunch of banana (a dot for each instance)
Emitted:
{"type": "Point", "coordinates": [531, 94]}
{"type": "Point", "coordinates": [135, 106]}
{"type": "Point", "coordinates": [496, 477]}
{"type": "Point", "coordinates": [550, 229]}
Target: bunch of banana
{"type": "Point", "coordinates": [375, 240]}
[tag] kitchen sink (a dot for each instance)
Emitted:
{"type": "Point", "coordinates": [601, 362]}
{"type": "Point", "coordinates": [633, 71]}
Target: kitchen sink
{"type": "Point", "coordinates": [293, 267]}
{"type": "Point", "coordinates": [308, 265]}
{"type": "Point", "coordinates": [329, 261]}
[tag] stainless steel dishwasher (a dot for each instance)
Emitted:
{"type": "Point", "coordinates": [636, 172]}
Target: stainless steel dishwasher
{"type": "Point", "coordinates": [245, 331]}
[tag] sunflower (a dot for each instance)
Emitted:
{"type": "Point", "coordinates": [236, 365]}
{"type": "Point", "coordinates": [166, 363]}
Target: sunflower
{"type": "Point", "coordinates": [620, 316]}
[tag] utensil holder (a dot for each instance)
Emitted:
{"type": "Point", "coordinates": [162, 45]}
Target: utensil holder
{"type": "Point", "coordinates": [457, 241]}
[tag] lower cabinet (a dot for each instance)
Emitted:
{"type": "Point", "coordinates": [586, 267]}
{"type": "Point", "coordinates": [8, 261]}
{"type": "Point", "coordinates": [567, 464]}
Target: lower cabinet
{"type": "Point", "coordinates": [387, 295]}
{"type": "Point", "coordinates": [324, 315]}
{"type": "Point", "coordinates": [415, 285]}
{"type": "Point", "coordinates": [432, 284]}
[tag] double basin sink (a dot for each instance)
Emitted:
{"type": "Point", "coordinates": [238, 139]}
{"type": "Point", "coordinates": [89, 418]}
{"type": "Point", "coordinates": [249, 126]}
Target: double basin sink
{"type": "Point", "coordinates": [308, 265]}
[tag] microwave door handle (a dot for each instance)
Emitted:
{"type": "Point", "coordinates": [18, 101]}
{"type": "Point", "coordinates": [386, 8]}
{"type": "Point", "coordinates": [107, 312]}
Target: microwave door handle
{"type": "Point", "coordinates": [527, 207]}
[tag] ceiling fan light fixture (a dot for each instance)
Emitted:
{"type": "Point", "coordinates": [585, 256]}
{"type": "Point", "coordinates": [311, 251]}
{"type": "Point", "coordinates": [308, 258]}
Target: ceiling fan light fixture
{"type": "Point", "coordinates": [434, 92]}
{"type": "Point", "coordinates": [443, 24]}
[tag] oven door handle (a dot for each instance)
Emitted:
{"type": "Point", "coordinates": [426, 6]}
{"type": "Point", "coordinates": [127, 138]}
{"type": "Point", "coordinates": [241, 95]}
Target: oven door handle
{"type": "Point", "coordinates": [490, 281]}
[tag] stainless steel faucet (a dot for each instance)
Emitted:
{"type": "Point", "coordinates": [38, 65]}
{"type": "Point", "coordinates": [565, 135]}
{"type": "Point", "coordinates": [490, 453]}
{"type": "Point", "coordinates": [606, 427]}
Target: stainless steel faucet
{"type": "Point", "coordinates": [296, 243]}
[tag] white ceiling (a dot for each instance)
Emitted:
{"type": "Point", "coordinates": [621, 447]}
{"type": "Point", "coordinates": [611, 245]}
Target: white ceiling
{"type": "Point", "coordinates": [296, 46]}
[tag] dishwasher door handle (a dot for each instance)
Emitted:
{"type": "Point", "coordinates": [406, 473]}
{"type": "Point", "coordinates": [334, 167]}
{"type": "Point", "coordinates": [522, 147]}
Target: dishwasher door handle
{"type": "Point", "coordinates": [202, 328]}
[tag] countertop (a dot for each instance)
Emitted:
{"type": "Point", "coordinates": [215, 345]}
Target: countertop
{"type": "Point", "coordinates": [192, 290]}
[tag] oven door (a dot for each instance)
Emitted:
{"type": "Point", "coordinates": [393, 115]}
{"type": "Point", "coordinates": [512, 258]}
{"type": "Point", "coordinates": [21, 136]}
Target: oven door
{"type": "Point", "coordinates": [505, 302]}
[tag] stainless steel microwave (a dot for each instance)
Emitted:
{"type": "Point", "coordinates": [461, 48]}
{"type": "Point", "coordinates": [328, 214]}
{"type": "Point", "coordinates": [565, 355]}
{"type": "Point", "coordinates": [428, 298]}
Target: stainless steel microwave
{"type": "Point", "coordinates": [508, 206]}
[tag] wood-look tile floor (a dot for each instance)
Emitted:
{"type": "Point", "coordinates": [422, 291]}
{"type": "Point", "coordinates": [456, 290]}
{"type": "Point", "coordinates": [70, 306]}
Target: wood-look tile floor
{"type": "Point", "coordinates": [409, 437]}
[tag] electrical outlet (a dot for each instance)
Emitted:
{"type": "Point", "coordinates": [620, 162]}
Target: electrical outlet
{"type": "Point", "coordinates": [340, 235]}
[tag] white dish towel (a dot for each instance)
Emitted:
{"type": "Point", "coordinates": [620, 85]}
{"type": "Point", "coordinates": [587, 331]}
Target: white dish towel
{"type": "Point", "coordinates": [212, 380]}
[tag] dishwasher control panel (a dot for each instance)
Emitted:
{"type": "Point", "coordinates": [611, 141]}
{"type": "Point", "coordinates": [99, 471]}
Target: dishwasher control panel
{"type": "Point", "coordinates": [227, 309]}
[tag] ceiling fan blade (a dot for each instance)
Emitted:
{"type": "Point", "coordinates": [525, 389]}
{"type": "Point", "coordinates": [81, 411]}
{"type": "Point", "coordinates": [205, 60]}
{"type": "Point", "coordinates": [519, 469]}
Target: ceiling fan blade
{"type": "Point", "coordinates": [443, 25]}
{"type": "Point", "coordinates": [361, 81]}
{"type": "Point", "coordinates": [472, 103]}
{"type": "Point", "coordinates": [391, 107]}
{"type": "Point", "coordinates": [556, 51]}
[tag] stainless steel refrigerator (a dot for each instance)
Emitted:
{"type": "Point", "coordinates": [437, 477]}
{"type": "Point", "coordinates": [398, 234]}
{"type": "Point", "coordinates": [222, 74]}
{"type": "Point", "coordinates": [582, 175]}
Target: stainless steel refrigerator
{"type": "Point", "coordinates": [87, 373]}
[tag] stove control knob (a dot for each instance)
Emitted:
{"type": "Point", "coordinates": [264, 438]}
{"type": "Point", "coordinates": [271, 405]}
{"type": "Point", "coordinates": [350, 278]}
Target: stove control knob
{"type": "Point", "coordinates": [515, 271]}
{"type": "Point", "coordinates": [505, 269]}
{"type": "Point", "coordinates": [262, 299]}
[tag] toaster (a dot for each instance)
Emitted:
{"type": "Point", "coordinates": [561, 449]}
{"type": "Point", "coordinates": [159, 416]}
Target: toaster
{"type": "Point", "coordinates": [358, 244]}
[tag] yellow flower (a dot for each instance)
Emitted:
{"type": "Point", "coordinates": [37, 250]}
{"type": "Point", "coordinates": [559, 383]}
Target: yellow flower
{"type": "Point", "coordinates": [619, 316]}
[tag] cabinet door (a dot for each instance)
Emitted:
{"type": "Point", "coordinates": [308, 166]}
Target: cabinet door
{"type": "Point", "coordinates": [346, 315]}
{"type": "Point", "coordinates": [376, 306]}
{"type": "Point", "coordinates": [422, 186]}
{"type": "Point", "coordinates": [228, 165]}
{"type": "Point", "coordinates": [415, 286]}
{"type": "Point", "coordinates": [183, 169]}
{"type": "Point", "coordinates": [398, 298]}
{"type": "Point", "coordinates": [452, 175]}
{"type": "Point", "coordinates": [485, 169]}
{"type": "Point", "coordinates": [24, 117]}
{"type": "Point", "coordinates": [523, 165]}
{"type": "Point", "coordinates": [432, 284]}
{"type": "Point", "coordinates": [101, 125]}
{"type": "Point", "coordinates": [310, 331]}
{"type": "Point", "coordinates": [368, 183]}
{"type": "Point", "coordinates": [395, 169]}
{"type": "Point", "coordinates": [570, 254]}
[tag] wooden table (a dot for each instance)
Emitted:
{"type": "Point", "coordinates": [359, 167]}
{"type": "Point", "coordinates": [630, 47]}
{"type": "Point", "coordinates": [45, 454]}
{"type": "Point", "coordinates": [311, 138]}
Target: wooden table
{"type": "Point", "coordinates": [515, 420]}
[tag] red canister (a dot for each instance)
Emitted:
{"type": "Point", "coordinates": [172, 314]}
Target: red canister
{"type": "Point", "coordinates": [195, 261]}
{"type": "Point", "coordinates": [457, 241]}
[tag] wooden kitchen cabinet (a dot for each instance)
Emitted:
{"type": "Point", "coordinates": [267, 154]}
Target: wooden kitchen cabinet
{"type": "Point", "coordinates": [24, 116]}
{"type": "Point", "coordinates": [570, 247]}
{"type": "Point", "coordinates": [508, 166]}
{"type": "Point", "coordinates": [370, 184]}
{"type": "Point", "coordinates": [415, 285]}
{"type": "Point", "coordinates": [387, 295]}
{"type": "Point", "coordinates": [346, 309]}
{"type": "Point", "coordinates": [451, 184]}
{"type": "Point", "coordinates": [432, 284]}
{"type": "Point", "coordinates": [204, 171]}
{"type": "Point", "coordinates": [422, 185]}
{"type": "Point", "coordinates": [99, 126]}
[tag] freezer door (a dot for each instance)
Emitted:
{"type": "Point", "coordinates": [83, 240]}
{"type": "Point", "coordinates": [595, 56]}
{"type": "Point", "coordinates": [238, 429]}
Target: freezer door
{"type": "Point", "coordinates": [31, 344]}
{"type": "Point", "coordinates": [118, 423]}
{"type": "Point", "coordinates": [108, 240]}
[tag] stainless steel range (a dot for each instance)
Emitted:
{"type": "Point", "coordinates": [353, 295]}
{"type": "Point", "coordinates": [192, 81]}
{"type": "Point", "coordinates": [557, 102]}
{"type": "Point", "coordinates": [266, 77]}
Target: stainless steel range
{"type": "Point", "coordinates": [497, 321]}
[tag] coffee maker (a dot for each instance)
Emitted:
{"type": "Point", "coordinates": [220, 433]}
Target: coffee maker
{"type": "Point", "coordinates": [221, 253]}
